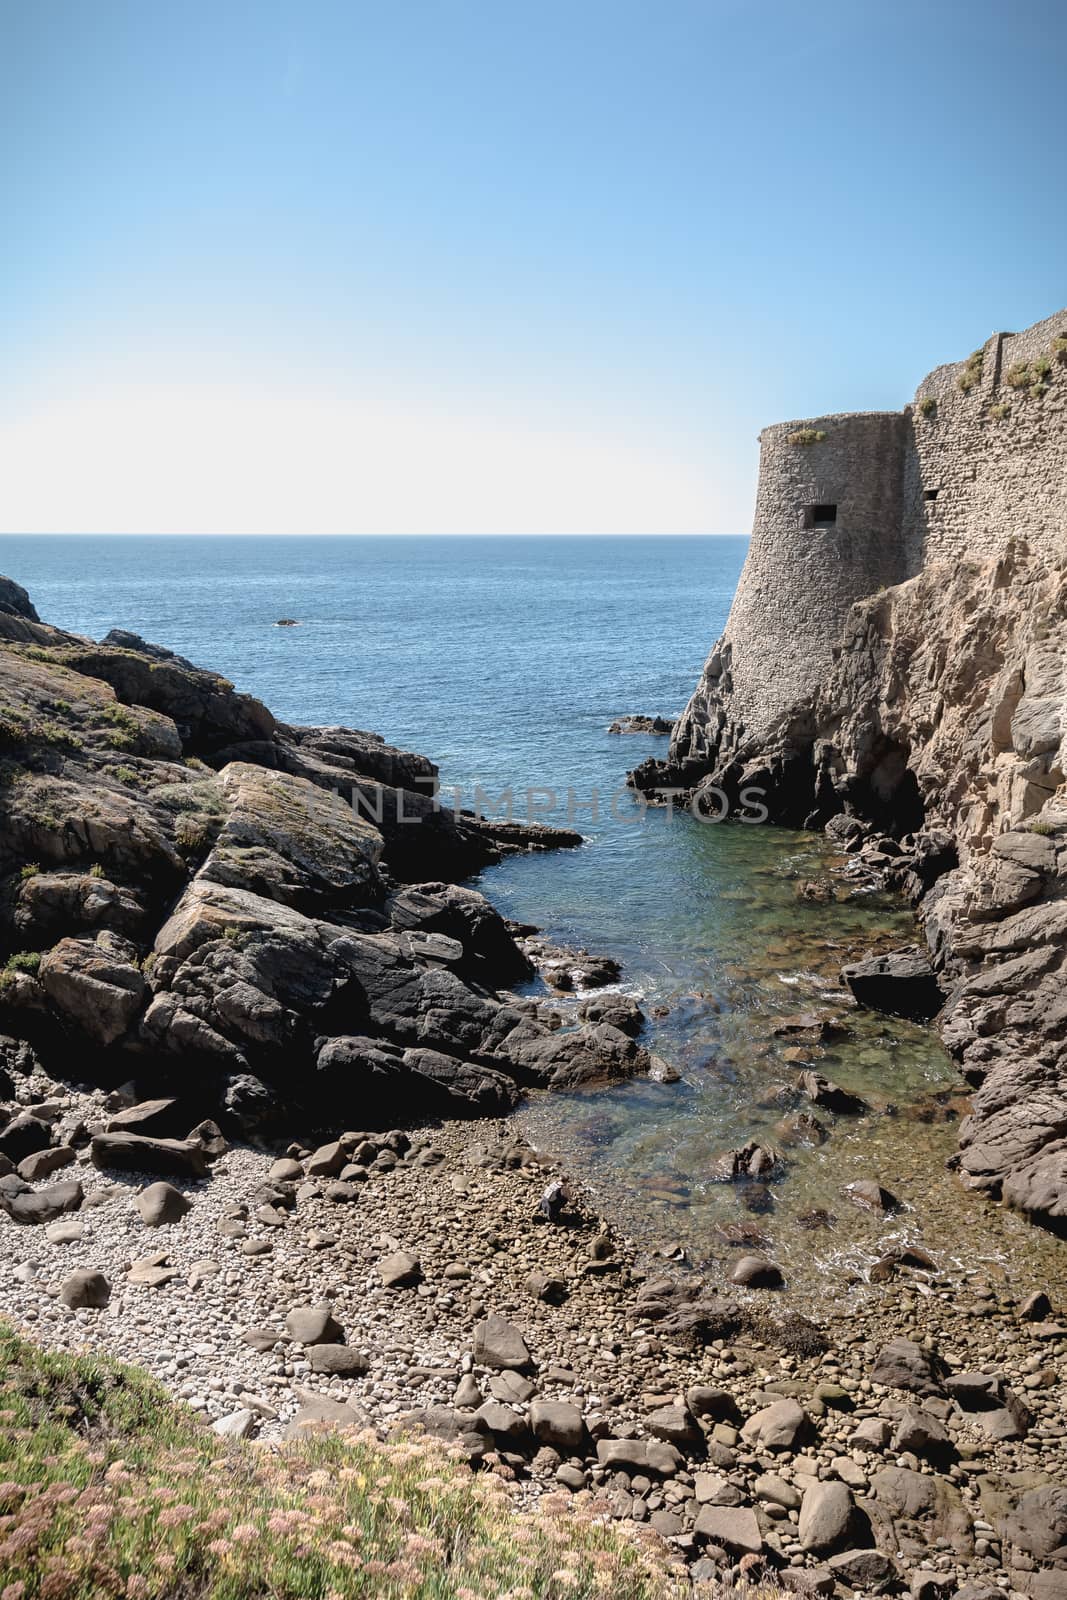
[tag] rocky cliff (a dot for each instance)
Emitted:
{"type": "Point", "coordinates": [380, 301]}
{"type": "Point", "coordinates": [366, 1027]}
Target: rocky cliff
{"type": "Point", "coordinates": [935, 748]}
{"type": "Point", "coordinates": [262, 920]}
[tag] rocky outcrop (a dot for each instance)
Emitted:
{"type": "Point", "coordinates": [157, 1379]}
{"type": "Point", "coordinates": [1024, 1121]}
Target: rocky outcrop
{"type": "Point", "coordinates": [935, 749]}
{"type": "Point", "coordinates": [260, 919]}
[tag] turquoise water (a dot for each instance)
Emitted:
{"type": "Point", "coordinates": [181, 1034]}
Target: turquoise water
{"type": "Point", "coordinates": [505, 660]}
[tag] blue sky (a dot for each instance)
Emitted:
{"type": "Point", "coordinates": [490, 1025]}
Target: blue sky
{"type": "Point", "coordinates": [509, 267]}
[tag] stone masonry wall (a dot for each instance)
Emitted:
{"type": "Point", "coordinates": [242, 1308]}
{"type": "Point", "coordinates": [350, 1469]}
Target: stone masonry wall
{"type": "Point", "coordinates": [972, 464]}
{"type": "Point", "coordinates": [996, 477]}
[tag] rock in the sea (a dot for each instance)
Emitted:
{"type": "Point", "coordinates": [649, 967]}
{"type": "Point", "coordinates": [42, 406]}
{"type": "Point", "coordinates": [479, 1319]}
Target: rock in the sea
{"type": "Point", "coordinates": [641, 722]}
{"type": "Point", "coordinates": [756, 1272]}
{"type": "Point", "coordinates": [903, 983]}
{"type": "Point", "coordinates": [870, 1196]}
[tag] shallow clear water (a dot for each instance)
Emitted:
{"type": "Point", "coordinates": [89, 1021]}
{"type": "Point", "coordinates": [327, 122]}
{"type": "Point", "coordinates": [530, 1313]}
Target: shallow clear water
{"type": "Point", "coordinates": [505, 660]}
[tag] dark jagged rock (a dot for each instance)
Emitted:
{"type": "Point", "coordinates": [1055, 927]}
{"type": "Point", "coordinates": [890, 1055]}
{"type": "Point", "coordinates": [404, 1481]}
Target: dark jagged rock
{"type": "Point", "coordinates": [641, 723]}
{"type": "Point", "coordinates": [15, 602]}
{"type": "Point", "coordinates": [903, 983]}
{"type": "Point", "coordinates": [258, 916]}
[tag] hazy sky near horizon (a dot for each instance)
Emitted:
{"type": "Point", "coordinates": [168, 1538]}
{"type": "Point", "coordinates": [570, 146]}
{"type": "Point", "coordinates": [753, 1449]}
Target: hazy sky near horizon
{"type": "Point", "coordinates": [495, 266]}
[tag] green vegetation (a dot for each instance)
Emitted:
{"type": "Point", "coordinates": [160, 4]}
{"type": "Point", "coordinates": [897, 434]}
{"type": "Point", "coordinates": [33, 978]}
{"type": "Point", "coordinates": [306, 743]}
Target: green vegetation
{"type": "Point", "coordinates": [17, 729]}
{"type": "Point", "coordinates": [972, 371]}
{"type": "Point", "coordinates": [111, 1489]}
{"type": "Point", "coordinates": [30, 870]}
{"type": "Point", "coordinates": [928, 406]}
{"type": "Point", "coordinates": [1031, 375]}
{"type": "Point", "coordinates": [126, 775]}
{"type": "Point", "coordinates": [1058, 348]}
{"type": "Point", "coordinates": [806, 436]}
{"type": "Point", "coordinates": [1044, 829]}
{"type": "Point", "coordinates": [192, 833]}
{"type": "Point", "coordinates": [96, 870]}
{"type": "Point", "coordinates": [26, 961]}
{"type": "Point", "coordinates": [1000, 410]}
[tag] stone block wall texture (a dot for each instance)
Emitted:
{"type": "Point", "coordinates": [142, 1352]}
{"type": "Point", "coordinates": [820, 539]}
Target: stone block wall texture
{"type": "Point", "coordinates": [961, 477]}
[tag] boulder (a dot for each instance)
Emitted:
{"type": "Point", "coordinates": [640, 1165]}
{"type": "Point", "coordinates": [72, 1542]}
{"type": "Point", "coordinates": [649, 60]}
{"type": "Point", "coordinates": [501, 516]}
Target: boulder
{"type": "Point", "coordinates": [1037, 1524]}
{"type": "Point", "coordinates": [870, 1196]}
{"type": "Point", "coordinates": [37, 1206]}
{"type": "Point", "coordinates": [826, 1515]}
{"type": "Point", "coordinates": [499, 1344]}
{"type": "Point", "coordinates": [135, 1152]}
{"type": "Point", "coordinates": [293, 841]}
{"type": "Point", "coordinates": [401, 1270]}
{"type": "Point", "coordinates": [902, 1364]}
{"type": "Point", "coordinates": [734, 1528]}
{"type": "Point", "coordinates": [780, 1426]}
{"type": "Point", "coordinates": [756, 1272]}
{"type": "Point", "coordinates": [902, 983]}
{"type": "Point", "coordinates": [867, 1571]}
{"type": "Point", "coordinates": [559, 1424]}
{"type": "Point", "coordinates": [44, 1162]}
{"type": "Point", "coordinates": [85, 1288]}
{"type": "Point", "coordinates": [161, 1204]}
{"type": "Point", "coordinates": [24, 1135]}
{"type": "Point", "coordinates": [921, 1433]}
{"type": "Point", "coordinates": [313, 1325]}
{"type": "Point", "coordinates": [677, 1424]}
{"type": "Point", "coordinates": [96, 983]}
{"type": "Point", "coordinates": [165, 1117]}
{"type": "Point", "coordinates": [639, 1456]}
{"type": "Point", "coordinates": [337, 1360]}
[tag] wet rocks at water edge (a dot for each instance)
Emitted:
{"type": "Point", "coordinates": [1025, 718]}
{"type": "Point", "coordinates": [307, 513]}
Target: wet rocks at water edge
{"type": "Point", "coordinates": [641, 723]}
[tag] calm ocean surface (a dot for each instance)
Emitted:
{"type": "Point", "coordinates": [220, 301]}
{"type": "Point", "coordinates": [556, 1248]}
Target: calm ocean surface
{"type": "Point", "coordinates": [505, 660]}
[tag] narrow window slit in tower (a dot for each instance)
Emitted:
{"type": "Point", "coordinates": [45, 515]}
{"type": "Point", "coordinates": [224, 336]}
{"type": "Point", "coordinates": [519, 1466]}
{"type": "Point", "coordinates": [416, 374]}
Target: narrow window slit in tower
{"type": "Point", "coordinates": [930, 494]}
{"type": "Point", "coordinates": [817, 517]}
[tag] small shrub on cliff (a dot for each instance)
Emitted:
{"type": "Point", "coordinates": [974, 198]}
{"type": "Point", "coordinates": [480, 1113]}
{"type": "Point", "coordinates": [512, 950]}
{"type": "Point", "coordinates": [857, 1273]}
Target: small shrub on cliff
{"type": "Point", "coordinates": [806, 436]}
{"type": "Point", "coordinates": [27, 961]}
{"type": "Point", "coordinates": [1000, 411]}
{"type": "Point", "coordinates": [30, 870]}
{"type": "Point", "coordinates": [928, 406]}
{"type": "Point", "coordinates": [13, 727]}
{"type": "Point", "coordinates": [972, 371]}
{"type": "Point", "coordinates": [96, 870]}
{"type": "Point", "coordinates": [191, 833]}
{"type": "Point", "coordinates": [112, 1490]}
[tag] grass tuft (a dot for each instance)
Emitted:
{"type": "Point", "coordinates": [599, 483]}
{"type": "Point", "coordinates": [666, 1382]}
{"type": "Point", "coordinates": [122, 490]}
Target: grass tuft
{"type": "Point", "coordinates": [928, 406]}
{"type": "Point", "coordinates": [110, 1489]}
{"type": "Point", "coordinates": [806, 436]}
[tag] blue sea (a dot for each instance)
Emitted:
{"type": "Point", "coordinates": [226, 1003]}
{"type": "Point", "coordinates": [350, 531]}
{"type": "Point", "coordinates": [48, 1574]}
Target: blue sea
{"type": "Point", "coordinates": [505, 659]}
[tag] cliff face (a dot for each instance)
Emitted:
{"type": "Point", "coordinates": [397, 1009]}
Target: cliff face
{"type": "Point", "coordinates": [932, 709]}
